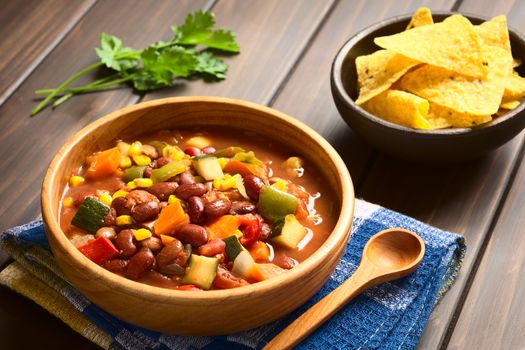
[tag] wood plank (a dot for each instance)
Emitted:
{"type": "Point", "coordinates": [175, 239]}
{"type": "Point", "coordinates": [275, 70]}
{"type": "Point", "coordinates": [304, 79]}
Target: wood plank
{"type": "Point", "coordinates": [52, 128]}
{"type": "Point", "coordinates": [307, 96]}
{"type": "Point", "coordinates": [271, 34]}
{"type": "Point", "coordinates": [462, 198]}
{"type": "Point", "coordinates": [492, 316]}
{"type": "Point", "coordinates": [29, 143]}
{"type": "Point", "coordinates": [30, 30]}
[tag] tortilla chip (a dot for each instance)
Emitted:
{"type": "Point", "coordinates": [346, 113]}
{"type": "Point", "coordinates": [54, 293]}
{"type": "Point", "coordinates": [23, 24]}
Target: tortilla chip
{"type": "Point", "coordinates": [494, 33]}
{"type": "Point", "coordinates": [514, 87]}
{"type": "Point", "coordinates": [401, 108]}
{"type": "Point", "coordinates": [462, 94]}
{"type": "Point", "coordinates": [452, 44]}
{"type": "Point", "coordinates": [378, 71]}
{"type": "Point", "coordinates": [421, 17]}
{"type": "Point", "coordinates": [456, 119]}
{"type": "Point", "coordinates": [509, 105]}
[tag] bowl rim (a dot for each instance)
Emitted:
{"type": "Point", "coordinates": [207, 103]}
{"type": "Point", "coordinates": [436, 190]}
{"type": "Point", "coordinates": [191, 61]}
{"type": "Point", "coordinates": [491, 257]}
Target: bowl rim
{"type": "Point", "coordinates": [340, 232]}
{"type": "Point", "coordinates": [337, 81]}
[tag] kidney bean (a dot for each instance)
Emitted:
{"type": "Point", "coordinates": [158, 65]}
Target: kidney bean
{"type": "Point", "coordinates": [145, 211]}
{"type": "Point", "coordinates": [193, 151]}
{"type": "Point", "coordinates": [140, 263]}
{"type": "Point", "coordinates": [116, 265]}
{"type": "Point", "coordinates": [225, 280]}
{"type": "Point", "coordinates": [173, 270]}
{"type": "Point", "coordinates": [286, 262]}
{"type": "Point", "coordinates": [212, 248]}
{"type": "Point", "coordinates": [153, 243]}
{"type": "Point", "coordinates": [159, 163]}
{"type": "Point", "coordinates": [196, 209]}
{"type": "Point", "coordinates": [253, 185]}
{"type": "Point", "coordinates": [193, 234]}
{"type": "Point", "coordinates": [208, 150]}
{"type": "Point", "coordinates": [124, 243]}
{"type": "Point", "coordinates": [243, 207]}
{"type": "Point", "coordinates": [147, 172]}
{"type": "Point", "coordinates": [188, 190]}
{"type": "Point", "coordinates": [217, 207]}
{"type": "Point", "coordinates": [141, 196]}
{"type": "Point", "coordinates": [122, 205]}
{"type": "Point", "coordinates": [186, 178]}
{"type": "Point", "coordinates": [159, 278]}
{"type": "Point", "coordinates": [80, 195]}
{"type": "Point", "coordinates": [111, 218]}
{"type": "Point", "coordinates": [173, 252]}
{"type": "Point", "coordinates": [162, 190]}
{"type": "Point", "coordinates": [106, 231]}
{"type": "Point", "coordinates": [265, 231]}
{"type": "Point", "coordinates": [150, 151]}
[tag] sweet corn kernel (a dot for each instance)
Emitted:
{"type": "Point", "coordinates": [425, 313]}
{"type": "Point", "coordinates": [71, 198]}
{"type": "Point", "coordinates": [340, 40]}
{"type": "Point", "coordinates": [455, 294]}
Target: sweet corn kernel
{"type": "Point", "coordinates": [76, 180]}
{"type": "Point", "coordinates": [67, 202]}
{"type": "Point", "coordinates": [135, 148]}
{"type": "Point", "coordinates": [198, 141]}
{"type": "Point", "coordinates": [172, 199]}
{"type": "Point", "coordinates": [106, 199]}
{"type": "Point", "coordinates": [131, 185]}
{"type": "Point", "coordinates": [225, 183]}
{"type": "Point", "coordinates": [124, 220]}
{"type": "Point", "coordinates": [125, 162]}
{"type": "Point", "coordinates": [222, 162]}
{"type": "Point", "coordinates": [280, 185]}
{"type": "Point", "coordinates": [143, 182]}
{"type": "Point", "coordinates": [141, 159]}
{"type": "Point", "coordinates": [173, 152]}
{"type": "Point", "coordinates": [142, 234]}
{"type": "Point", "coordinates": [123, 147]}
{"type": "Point", "coordinates": [119, 193]}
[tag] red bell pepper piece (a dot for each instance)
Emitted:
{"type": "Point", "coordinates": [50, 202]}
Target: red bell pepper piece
{"type": "Point", "coordinates": [188, 287]}
{"type": "Point", "coordinates": [100, 250]}
{"type": "Point", "coordinates": [250, 228]}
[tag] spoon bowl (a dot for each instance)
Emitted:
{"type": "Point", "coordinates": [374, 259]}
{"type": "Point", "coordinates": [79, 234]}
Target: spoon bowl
{"type": "Point", "coordinates": [395, 252]}
{"type": "Point", "coordinates": [388, 255]}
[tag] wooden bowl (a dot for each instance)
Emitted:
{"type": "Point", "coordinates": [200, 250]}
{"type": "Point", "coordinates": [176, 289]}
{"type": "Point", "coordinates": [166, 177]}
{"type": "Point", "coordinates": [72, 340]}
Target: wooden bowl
{"type": "Point", "coordinates": [203, 312]}
{"type": "Point", "coordinates": [447, 145]}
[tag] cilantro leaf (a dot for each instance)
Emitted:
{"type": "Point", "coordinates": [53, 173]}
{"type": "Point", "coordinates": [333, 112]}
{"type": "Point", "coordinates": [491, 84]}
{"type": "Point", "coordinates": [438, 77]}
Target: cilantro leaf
{"type": "Point", "coordinates": [198, 30]}
{"type": "Point", "coordinates": [114, 55]}
{"type": "Point", "coordinates": [157, 65]}
{"type": "Point", "coordinates": [210, 65]}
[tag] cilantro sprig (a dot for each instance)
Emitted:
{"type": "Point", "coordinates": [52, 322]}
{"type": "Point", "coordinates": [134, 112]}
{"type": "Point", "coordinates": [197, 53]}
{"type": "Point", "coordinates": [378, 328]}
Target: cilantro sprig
{"type": "Point", "coordinates": [191, 51]}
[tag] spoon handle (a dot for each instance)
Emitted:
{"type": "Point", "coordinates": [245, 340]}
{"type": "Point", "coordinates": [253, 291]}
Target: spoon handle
{"type": "Point", "coordinates": [321, 311]}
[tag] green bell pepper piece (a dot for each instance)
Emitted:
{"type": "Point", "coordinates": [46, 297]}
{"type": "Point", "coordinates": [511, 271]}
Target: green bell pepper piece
{"type": "Point", "coordinates": [275, 204]}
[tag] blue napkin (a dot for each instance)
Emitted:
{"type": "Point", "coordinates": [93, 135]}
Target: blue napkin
{"type": "Point", "coordinates": [389, 316]}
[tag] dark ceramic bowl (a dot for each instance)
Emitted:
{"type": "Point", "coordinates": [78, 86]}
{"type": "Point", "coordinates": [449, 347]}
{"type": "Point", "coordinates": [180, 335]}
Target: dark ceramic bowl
{"type": "Point", "coordinates": [446, 145]}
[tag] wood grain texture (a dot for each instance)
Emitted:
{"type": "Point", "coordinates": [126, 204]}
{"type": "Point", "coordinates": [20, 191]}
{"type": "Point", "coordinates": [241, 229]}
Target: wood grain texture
{"type": "Point", "coordinates": [272, 35]}
{"type": "Point", "coordinates": [30, 143]}
{"type": "Point", "coordinates": [388, 255]}
{"type": "Point", "coordinates": [307, 95]}
{"type": "Point", "coordinates": [492, 316]}
{"type": "Point", "coordinates": [462, 198]}
{"type": "Point", "coordinates": [184, 313]}
{"type": "Point", "coordinates": [30, 30]}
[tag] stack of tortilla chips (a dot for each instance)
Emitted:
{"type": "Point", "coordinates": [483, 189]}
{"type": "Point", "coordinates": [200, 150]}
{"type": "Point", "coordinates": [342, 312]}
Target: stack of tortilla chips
{"type": "Point", "coordinates": [447, 74]}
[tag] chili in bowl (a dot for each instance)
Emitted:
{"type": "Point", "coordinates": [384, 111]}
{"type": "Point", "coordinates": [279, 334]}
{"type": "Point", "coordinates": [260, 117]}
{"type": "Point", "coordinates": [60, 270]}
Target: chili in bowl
{"type": "Point", "coordinates": [197, 215]}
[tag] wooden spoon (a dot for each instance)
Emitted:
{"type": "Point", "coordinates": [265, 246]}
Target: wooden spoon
{"type": "Point", "coordinates": [388, 255]}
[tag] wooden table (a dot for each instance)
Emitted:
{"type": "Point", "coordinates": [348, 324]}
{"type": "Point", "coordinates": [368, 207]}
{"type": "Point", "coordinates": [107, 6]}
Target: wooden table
{"type": "Point", "coordinates": [287, 49]}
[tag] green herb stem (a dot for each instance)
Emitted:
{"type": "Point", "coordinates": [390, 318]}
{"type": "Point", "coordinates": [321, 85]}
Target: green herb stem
{"type": "Point", "coordinates": [61, 87]}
